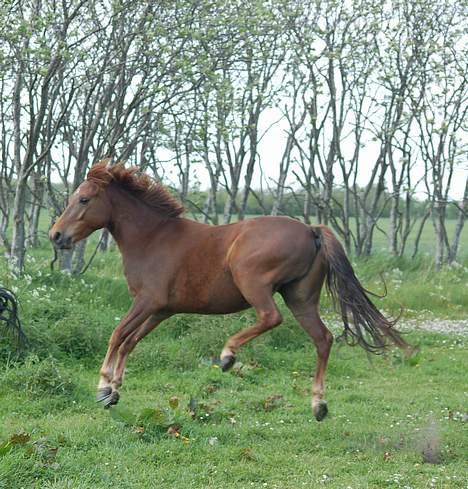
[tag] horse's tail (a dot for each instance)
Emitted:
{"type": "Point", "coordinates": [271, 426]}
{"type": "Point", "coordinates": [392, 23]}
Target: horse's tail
{"type": "Point", "coordinates": [9, 318]}
{"type": "Point", "coordinates": [369, 327]}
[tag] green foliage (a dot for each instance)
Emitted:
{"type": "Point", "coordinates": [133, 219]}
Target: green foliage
{"type": "Point", "coordinates": [39, 377]}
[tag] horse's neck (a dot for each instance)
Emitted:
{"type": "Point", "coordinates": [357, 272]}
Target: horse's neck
{"type": "Point", "coordinates": [132, 222]}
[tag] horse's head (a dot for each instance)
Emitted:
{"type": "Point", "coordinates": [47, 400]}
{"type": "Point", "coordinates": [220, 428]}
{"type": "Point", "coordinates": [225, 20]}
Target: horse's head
{"type": "Point", "coordinates": [89, 209]}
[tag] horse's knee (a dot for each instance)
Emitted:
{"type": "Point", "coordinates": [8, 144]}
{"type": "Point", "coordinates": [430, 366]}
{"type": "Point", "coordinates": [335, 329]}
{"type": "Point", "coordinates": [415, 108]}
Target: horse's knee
{"type": "Point", "coordinates": [328, 339]}
{"type": "Point", "coordinates": [127, 346]}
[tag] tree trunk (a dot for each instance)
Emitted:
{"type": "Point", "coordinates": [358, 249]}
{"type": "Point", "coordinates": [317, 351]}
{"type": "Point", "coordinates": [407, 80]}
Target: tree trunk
{"type": "Point", "coordinates": [370, 225]}
{"type": "Point", "coordinates": [230, 205]}
{"type": "Point", "coordinates": [437, 221]}
{"type": "Point", "coordinates": [346, 213]}
{"type": "Point", "coordinates": [307, 209]}
{"type": "Point", "coordinates": [106, 239]}
{"type": "Point", "coordinates": [247, 183]}
{"type": "Point", "coordinates": [19, 204]}
{"type": "Point", "coordinates": [393, 225]}
{"type": "Point", "coordinates": [18, 242]}
{"type": "Point", "coordinates": [65, 260]}
{"type": "Point", "coordinates": [38, 197]}
{"type": "Point", "coordinates": [462, 212]}
{"type": "Point", "coordinates": [209, 207]}
{"type": "Point", "coordinates": [78, 260]}
{"type": "Point", "coordinates": [3, 232]}
{"type": "Point", "coordinates": [419, 233]}
{"type": "Point", "coordinates": [283, 173]}
{"type": "Point", "coordinates": [408, 224]}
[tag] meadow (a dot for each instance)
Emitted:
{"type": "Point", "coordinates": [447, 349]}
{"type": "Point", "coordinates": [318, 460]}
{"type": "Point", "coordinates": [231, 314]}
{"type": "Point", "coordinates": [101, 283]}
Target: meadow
{"type": "Point", "coordinates": [182, 423]}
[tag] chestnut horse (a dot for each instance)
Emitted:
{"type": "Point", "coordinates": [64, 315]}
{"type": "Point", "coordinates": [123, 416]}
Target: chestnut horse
{"type": "Point", "coordinates": [176, 265]}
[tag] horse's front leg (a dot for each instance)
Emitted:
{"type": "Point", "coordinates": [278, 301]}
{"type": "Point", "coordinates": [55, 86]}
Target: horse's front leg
{"type": "Point", "coordinates": [129, 344]}
{"type": "Point", "coordinates": [138, 314]}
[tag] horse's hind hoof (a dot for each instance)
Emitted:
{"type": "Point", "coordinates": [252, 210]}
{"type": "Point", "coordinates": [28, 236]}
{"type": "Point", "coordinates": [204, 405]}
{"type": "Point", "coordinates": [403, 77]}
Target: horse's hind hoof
{"type": "Point", "coordinates": [320, 410]}
{"type": "Point", "coordinates": [227, 362]}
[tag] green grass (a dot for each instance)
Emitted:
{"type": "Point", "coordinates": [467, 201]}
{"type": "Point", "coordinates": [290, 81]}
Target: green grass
{"type": "Point", "coordinates": [250, 428]}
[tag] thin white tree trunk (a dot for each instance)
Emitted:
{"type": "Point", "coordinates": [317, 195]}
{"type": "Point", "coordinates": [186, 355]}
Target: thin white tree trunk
{"type": "Point", "coordinates": [18, 241]}
{"type": "Point", "coordinates": [462, 213]}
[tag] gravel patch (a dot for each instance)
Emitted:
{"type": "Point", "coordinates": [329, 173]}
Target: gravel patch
{"type": "Point", "coordinates": [448, 326]}
{"type": "Point", "coordinates": [454, 326]}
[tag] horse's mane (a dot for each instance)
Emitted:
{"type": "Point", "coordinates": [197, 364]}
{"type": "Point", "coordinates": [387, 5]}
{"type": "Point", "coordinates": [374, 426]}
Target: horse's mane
{"type": "Point", "coordinates": [136, 183]}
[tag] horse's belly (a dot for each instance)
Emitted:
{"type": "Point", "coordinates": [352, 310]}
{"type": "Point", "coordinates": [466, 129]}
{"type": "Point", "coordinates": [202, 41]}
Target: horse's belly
{"type": "Point", "coordinates": [205, 294]}
{"type": "Point", "coordinates": [225, 299]}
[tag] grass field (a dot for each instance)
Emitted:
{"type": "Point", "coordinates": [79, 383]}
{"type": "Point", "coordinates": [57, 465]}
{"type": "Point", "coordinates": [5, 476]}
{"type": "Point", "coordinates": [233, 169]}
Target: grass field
{"type": "Point", "coordinates": [252, 428]}
{"type": "Point", "coordinates": [182, 423]}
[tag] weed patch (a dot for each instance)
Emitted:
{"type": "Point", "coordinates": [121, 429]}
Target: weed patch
{"type": "Point", "coordinates": [39, 377]}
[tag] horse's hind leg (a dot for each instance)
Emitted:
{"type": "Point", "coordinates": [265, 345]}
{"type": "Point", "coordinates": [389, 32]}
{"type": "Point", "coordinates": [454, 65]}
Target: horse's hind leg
{"type": "Point", "coordinates": [309, 319]}
{"type": "Point", "coordinates": [306, 311]}
{"type": "Point", "coordinates": [268, 317]}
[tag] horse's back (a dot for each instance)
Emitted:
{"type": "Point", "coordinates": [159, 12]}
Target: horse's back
{"type": "Point", "coordinates": [271, 250]}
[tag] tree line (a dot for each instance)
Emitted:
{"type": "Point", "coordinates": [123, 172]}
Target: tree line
{"type": "Point", "coordinates": [371, 97]}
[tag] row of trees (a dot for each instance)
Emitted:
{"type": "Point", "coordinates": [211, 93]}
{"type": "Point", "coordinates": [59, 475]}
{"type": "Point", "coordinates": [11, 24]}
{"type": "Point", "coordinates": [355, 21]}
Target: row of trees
{"type": "Point", "coordinates": [371, 98]}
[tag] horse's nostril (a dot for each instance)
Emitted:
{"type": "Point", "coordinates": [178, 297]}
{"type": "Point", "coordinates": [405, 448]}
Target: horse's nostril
{"type": "Point", "coordinates": [60, 240]}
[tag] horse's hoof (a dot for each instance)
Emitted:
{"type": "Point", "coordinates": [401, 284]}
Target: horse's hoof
{"type": "Point", "coordinates": [107, 396]}
{"type": "Point", "coordinates": [320, 410]}
{"type": "Point", "coordinates": [103, 393]}
{"type": "Point", "coordinates": [227, 362]}
{"type": "Point", "coordinates": [112, 400]}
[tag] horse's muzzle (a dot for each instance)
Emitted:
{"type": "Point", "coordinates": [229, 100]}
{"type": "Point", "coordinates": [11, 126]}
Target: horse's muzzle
{"type": "Point", "coordinates": [61, 240]}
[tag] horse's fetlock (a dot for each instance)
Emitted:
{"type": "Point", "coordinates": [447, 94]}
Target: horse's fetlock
{"type": "Point", "coordinates": [106, 374]}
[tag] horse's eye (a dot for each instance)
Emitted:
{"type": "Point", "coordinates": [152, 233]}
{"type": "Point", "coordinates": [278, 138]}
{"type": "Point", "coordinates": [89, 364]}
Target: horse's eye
{"type": "Point", "coordinates": [84, 200]}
